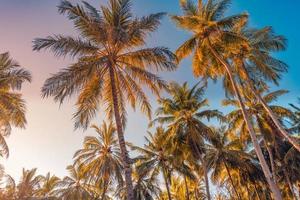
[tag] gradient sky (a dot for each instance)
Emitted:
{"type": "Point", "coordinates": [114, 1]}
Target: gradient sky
{"type": "Point", "coordinates": [48, 142]}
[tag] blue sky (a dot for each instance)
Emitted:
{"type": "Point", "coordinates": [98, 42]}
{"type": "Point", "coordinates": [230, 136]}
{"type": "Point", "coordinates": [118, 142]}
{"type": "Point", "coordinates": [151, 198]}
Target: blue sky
{"type": "Point", "coordinates": [49, 142]}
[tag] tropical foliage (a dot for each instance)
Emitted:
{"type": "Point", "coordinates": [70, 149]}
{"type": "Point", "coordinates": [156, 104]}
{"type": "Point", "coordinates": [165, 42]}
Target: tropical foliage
{"type": "Point", "coordinates": [249, 152]}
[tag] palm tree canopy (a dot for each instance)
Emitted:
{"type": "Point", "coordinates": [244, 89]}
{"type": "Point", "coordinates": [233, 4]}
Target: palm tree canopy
{"type": "Point", "coordinates": [12, 106]}
{"type": "Point", "coordinates": [110, 39]}
{"type": "Point", "coordinates": [100, 157]}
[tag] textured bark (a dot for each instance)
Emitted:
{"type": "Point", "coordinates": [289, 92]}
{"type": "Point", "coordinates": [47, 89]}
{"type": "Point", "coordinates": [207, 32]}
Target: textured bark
{"type": "Point", "coordinates": [274, 118]}
{"type": "Point", "coordinates": [231, 181]}
{"type": "Point", "coordinates": [167, 185]}
{"type": "Point", "coordinates": [187, 192]}
{"type": "Point", "coordinates": [119, 125]}
{"type": "Point", "coordinates": [274, 188]}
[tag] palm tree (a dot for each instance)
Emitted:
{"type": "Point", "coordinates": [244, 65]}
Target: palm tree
{"type": "Point", "coordinates": [182, 113]}
{"type": "Point", "coordinates": [156, 157]}
{"type": "Point", "coordinates": [28, 185]}
{"type": "Point", "coordinates": [12, 106]}
{"type": "Point", "coordinates": [74, 186]}
{"type": "Point", "coordinates": [211, 34]}
{"type": "Point", "coordinates": [48, 185]}
{"type": "Point", "coordinates": [225, 155]}
{"type": "Point", "coordinates": [100, 158]}
{"type": "Point", "coordinates": [254, 61]}
{"type": "Point", "coordinates": [9, 191]}
{"type": "Point", "coordinates": [112, 65]}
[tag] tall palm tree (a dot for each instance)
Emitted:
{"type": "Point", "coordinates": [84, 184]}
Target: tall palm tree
{"type": "Point", "coordinates": [295, 129]}
{"type": "Point", "coordinates": [49, 184]}
{"type": "Point", "coordinates": [183, 114]}
{"type": "Point", "coordinates": [211, 34]}
{"type": "Point", "coordinates": [112, 65]}
{"type": "Point", "coordinates": [100, 158]}
{"type": "Point", "coordinates": [253, 59]}
{"type": "Point", "coordinates": [74, 186]}
{"type": "Point", "coordinates": [12, 106]}
{"type": "Point", "coordinates": [156, 157]}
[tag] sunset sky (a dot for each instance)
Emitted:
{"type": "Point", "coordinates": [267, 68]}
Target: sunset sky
{"type": "Point", "coordinates": [49, 142]}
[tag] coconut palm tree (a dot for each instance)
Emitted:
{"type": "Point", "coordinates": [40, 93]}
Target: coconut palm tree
{"type": "Point", "coordinates": [49, 183]}
{"type": "Point", "coordinates": [74, 186]}
{"type": "Point", "coordinates": [100, 158]}
{"type": "Point", "coordinates": [224, 155]}
{"type": "Point", "coordinates": [212, 32]}
{"type": "Point", "coordinates": [29, 184]}
{"type": "Point", "coordinates": [295, 129]}
{"type": "Point", "coordinates": [112, 65]}
{"type": "Point", "coordinates": [254, 61]}
{"type": "Point", "coordinates": [156, 157]}
{"type": "Point", "coordinates": [183, 114]}
{"type": "Point", "coordinates": [12, 106]}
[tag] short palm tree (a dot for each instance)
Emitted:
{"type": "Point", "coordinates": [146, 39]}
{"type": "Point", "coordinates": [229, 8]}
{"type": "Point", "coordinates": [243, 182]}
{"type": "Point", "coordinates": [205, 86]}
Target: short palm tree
{"type": "Point", "coordinates": [29, 184]}
{"type": "Point", "coordinates": [224, 155]}
{"type": "Point", "coordinates": [49, 184]}
{"type": "Point", "coordinates": [112, 65]}
{"type": "Point", "coordinates": [156, 157]}
{"type": "Point", "coordinates": [212, 32]}
{"type": "Point", "coordinates": [183, 115]}
{"type": "Point", "coordinates": [12, 106]}
{"type": "Point", "coordinates": [74, 186]}
{"type": "Point", "coordinates": [100, 158]}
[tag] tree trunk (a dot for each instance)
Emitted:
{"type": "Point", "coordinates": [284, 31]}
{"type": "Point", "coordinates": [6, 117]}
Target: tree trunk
{"type": "Point", "coordinates": [205, 172]}
{"type": "Point", "coordinates": [187, 192]}
{"type": "Point", "coordinates": [288, 180]}
{"type": "Point", "coordinates": [232, 183]}
{"type": "Point", "coordinates": [285, 134]}
{"type": "Point", "coordinates": [256, 191]}
{"type": "Point", "coordinates": [271, 160]}
{"type": "Point", "coordinates": [104, 190]}
{"type": "Point", "coordinates": [274, 188]}
{"type": "Point", "coordinates": [167, 184]}
{"type": "Point", "coordinates": [119, 125]}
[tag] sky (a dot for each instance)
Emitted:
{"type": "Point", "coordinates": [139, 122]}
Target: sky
{"type": "Point", "coordinates": [49, 141]}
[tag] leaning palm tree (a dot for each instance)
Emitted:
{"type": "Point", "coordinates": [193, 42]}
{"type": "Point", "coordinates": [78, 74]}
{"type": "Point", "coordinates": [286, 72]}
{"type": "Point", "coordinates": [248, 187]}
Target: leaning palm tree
{"type": "Point", "coordinates": [211, 34]}
{"type": "Point", "coordinates": [183, 114]}
{"type": "Point", "coordinates": [100, 158]}
{"type": "Point", "coordinates": [253, 60]}
{"type": "Point", "coordinates": [112, 65]}
{"type": "Point", "coordinates": [12, 106]}
{"type": "Point", "coordinates": [156, 157]}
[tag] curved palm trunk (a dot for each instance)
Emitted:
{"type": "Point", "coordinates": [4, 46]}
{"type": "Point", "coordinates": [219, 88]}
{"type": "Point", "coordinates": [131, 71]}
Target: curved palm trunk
{"type": "Point", "coordinates": [271, 160]}
{"type": "Point", "coordinates": [124, 152]}
{"type": "Point", "coordinates": [285, 134]}
{"type": "Point", "coordinates": [274, 188]}
{"type": "Point", "coordinates": [187, 192]}
{"type": "Point", "coordinates": [231, 181]}
{"type": "Point", "coordinates": [167, 184]}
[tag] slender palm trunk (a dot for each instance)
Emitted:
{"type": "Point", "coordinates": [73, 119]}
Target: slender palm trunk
{"type": "Point", "coordinates": [105, 186]}
{"type": "Point", "coordinates": [187, 192]}
{"type": "Point", "coordinates": [274, 188]}
{"type": "Point", "coordinates": [167, 184]}
{"type": "Point", "coordinates": [271, 160]}
{"type": "Point", "coordinates": [231, 181]}
{"type": "Point", "coordinates": [256, 191]}
{"type": "Point", "coordinates": [124, 152]}
{"type": "Point", "coordinates": [288, 180]}
{"type": "Point", "coordinates": [285, 134]}
{"type": "Point", "coordinates": [205, 171]}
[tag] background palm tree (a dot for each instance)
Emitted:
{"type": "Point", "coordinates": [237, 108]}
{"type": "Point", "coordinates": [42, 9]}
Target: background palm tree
{"type": "Point", "coordinates": [183, 115]}
{"type": "Point", "coordinates": [12, 106]}
{"type": "Point", "coordinates": [212, 32]}
{"type": "Point", "coordinates": [111, 65]}
{"type": "Point", "coordinates": [100, 158]}
{"type": "Point", "coordinates": [156, 157]}
{"type": "Point", "coordinates": [47, 186]}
